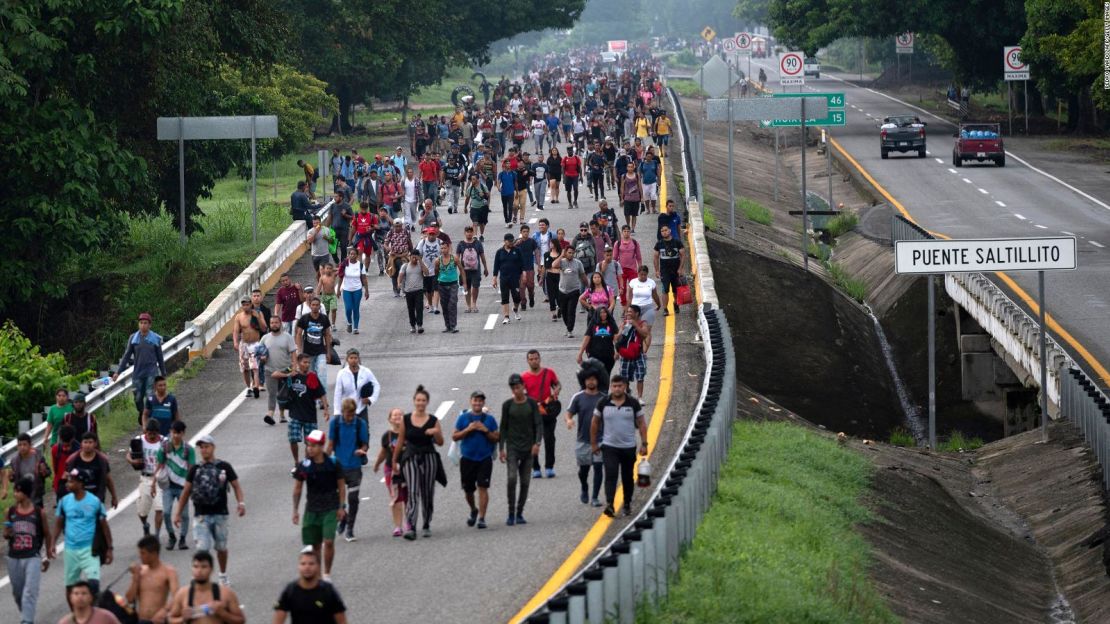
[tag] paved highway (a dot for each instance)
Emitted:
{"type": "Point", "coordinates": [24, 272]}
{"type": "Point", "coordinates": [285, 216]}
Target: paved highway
{"type": "Point", "coordinates": [1024, 199]}
{"type": "Point", "coordinates": [460, 574]}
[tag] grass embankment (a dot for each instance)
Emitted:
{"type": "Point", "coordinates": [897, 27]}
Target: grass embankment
{"type": "Point", "coordinates": [685, 87]}
{"type": "Point", "coordinates": [778, 544]}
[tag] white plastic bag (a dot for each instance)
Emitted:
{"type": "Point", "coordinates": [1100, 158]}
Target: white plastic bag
{"type": "Point", "coordinates": [454, 452]}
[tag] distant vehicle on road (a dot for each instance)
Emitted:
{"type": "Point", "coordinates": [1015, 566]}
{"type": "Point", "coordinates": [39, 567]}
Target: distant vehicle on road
{"type": "Point", "coordinates": [812, 67]}
{"type": "Point", "coordinates": [979, 142]}
{"type": "Point", "coordinates": [902, 133]}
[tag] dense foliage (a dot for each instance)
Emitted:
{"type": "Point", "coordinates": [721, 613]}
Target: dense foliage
{"type": "Point", "coordinates": [28, 378]}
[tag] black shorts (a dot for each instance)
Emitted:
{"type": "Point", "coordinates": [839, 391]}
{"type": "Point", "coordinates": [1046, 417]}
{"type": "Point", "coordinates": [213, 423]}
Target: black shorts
{"type": "Point", "coordinates": [473, 278]}
{"type": "Point", "coordinates": [479, 216]}
{"type": "Point", "coordinates": [669, 279]}
{"type": "Point", "coordinates": [429, 284]}
{"type": "Point", "coordinates": [631, 208]}
{"type": "Point", "coordinates": [510, 288]}
{"type": "Point", "coordinates": [475, 474]}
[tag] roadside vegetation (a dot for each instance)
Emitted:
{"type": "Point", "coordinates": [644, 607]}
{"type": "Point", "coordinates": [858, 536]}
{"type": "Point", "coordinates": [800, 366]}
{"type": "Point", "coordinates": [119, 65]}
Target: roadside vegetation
{"type": "Point", "coordinates": [754, 211]}
{"type": "Point", "coordinates": [685, 87]}
{"type": "Point", "coordinates": [778, 544]}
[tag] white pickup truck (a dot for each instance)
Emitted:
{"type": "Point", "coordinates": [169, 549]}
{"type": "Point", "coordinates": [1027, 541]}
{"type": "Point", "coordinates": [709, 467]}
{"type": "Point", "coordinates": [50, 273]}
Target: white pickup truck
{"type": "Point", "coordinates": [812, 67]}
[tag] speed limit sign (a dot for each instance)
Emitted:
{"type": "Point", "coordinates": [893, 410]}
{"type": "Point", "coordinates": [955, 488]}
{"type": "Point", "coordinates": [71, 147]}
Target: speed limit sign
{"type": "Point", "coordinates": [1013, 68]}
{"type": "Point", "coordinates": [791, 65]}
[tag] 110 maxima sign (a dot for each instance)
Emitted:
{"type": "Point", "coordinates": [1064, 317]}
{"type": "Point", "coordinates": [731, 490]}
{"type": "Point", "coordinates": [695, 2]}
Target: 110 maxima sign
{"type": "Point", "coordinates": [985, 255]}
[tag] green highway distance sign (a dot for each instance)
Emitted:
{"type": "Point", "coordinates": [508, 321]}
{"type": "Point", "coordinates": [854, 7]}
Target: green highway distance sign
{"type": "Point", "coordinates": [835, 116]}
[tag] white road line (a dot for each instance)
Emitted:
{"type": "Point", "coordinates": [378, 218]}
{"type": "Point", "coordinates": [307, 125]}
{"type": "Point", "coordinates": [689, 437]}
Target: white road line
{"type": "Point", "coordinates": [1040, 227]}
{"type": "Point", "coordinates": [966, 180]}
{"type": "Point", "coordinates": [1067, 233]}
{"type": "Point", "coordinates": [472, 365]}
{"type": "Point", "coordinates": [1096, 244]}
{"type": "Point", "coordinates": [928, 153]}
{"type": "Point", "coordinates": [939, 160]}
{"type": "Point", "coordinates": [984, 191]}
{"type": "Point", "coordinates": [130, 499]}
{"type": "Point", "coordinates": [951, 170]}
{"type": "Point", "coordinates": [443, 408]}
{"type": "Point", "coordinates": [1019, 216]}
{"type": "Point", "coordinates": [491, 321]}
{"type": "Point", "coordinates": [1000, 203]}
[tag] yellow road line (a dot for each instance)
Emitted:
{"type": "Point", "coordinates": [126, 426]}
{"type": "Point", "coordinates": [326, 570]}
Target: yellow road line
{"type": "Point", "coordinates": [1054, 325]}
{"type": "Point", "coordinates": [587, 547]}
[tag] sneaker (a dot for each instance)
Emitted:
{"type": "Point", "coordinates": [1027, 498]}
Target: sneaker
{"type": "Point", "coordinates": [269, 420]}
{"type": "Point", "coordinates": [626, 511]}
{"type": "Point", "coordinates": [584, 497]}
{"type": "Point", "coordinates": [516, 315]}
{"type": "Point", "coordinates": [255, 392]}
{"type": "Point", "coordinates": [595, 503]}
{"type": "Point", "coordinates": [511, 520]}
{"type": "Point", "coordinates": [550, 473]}
{"type": "Point", "coordinates": [412, 330]}
{"type": "Point", "coordinates": [427, 532]}
{"type": "Point", "coordinates": [524, 305]}
{"type": "Point", "coordinates": [677, 309]}
{"type": "Point", "coordinates": [356, 331]}
{"type": "Point", "coordinates": [473, 518]}
{"type": "Point", "coordinates": [341, 528]}
{"type": "Point", "coordinates": [520, 519]}
{"type": "Point", "coordinates": [481, 523]}
{"type": "Point", "coordinates": [420, 330]}
{"type": "Point", "coordinates": [350, 535]}
{"type": "Point", "coordinates": [435, 311]}
{"type": "Point", "coordinates": [283, 419]}
{"type": "Point", "coordinates": [349, 328]}
{"type": "Point", "coordinates": [410, 535]}
{"type": "Point", "coordinates": [536, 474]}
{"type": "Point", "coordinates": [224, 580]}
{"type": "Point", "coordinates": [454, 330]}
{"type": "Point", "coordinates": [609, 511]}
{"type": "Point", "coordinates": [250, 393]}
{"type": "Point", "coordinates": [505, 321]}
{"type": "Point", "coordinates": [397, 532]}
{"type": "Point", "coordinates": [146, 529]}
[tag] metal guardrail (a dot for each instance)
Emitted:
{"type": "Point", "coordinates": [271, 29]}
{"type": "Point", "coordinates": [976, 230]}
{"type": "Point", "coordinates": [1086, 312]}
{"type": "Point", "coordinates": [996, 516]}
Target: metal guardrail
{"type": "Point", "coordinates": [200, 330]}
{"type": "Point", "coordinates": [1016, 332]}
{"type": "Point", "coordinates": [635, 568]}
{"type": "Point", "coordinates": [1089, 410]}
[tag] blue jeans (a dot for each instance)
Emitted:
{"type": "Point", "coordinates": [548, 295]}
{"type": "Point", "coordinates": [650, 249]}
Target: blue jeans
{"type": "Point", "coordinates": [351, 299]}
{"type": "Point", "coordinates": [431, 191]}
{"type": "Point", "coordinates": [170, 496]}
{"type": "Point", "coordinates": [143, 387]}
{"type": "Point", "coordinates": [25, 575]}
{"type": "Point", "coordinates": [320, 367]}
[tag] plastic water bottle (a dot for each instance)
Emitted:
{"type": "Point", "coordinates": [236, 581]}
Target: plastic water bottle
{"type": "Point", "coordinates": [98, 383]}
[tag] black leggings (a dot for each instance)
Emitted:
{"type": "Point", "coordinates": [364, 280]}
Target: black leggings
{"type": "Point", "coordinates": [353, 479]}
{"type": "Point", "coordinates": [597, 184]}
{"type": "Point", "coordinates": [571, 184]}
{"type": "Point", "coordinates": [415, 303]}
{"type": "Point", "coordinates": [551, 280]}
{"type": "Point", "coordinates": [507, 207]}
{"type": "Point", "coordinates": [623, 460]}
{"type": "Point", "coordinates": [568, 305]}
{"type": "Point", "coordinates": [549, 423]}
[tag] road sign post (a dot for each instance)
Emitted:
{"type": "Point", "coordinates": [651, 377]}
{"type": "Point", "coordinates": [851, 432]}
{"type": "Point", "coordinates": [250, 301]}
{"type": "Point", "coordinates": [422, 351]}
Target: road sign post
{"type": "Point", "coordinates": [932, 257]}
{"type": "Point", "coordinates": [1014, 68]}
{"type": "Point", "coordinates": [731, 165]}
{"type": "Point", "coordinates": [805, 205]}
{"type": "Point", "coordinates": [183, 129]}
{"type": "Point", "coordinates": [708, 34]}
{"type": "Point", "coordinates": [744, 46]}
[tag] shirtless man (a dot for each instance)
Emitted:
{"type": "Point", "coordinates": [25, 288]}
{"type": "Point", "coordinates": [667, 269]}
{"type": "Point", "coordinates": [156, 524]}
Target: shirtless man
{"type": "Point", "coordinates": [325, 288]}
{"type": "Point", "coordinates": [246, 331]}
{"type": "Point", "coordinates": [153, 583]}
{"type": "Point", "coordinates": [204, 602]}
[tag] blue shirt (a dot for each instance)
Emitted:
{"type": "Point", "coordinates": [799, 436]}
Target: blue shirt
{"type": "Point", "coordinates": [508, 182]}
{"type": "Point", "coordinates": [348, 438]}
{"type": "Point", "coordinates": [163, 412]}
{"type": "Point", "coordinates": [81, 518]}
{"type": "Point", "coordinates": [476, 446]}
{"type": "Point", "coordinates": [649, 169]}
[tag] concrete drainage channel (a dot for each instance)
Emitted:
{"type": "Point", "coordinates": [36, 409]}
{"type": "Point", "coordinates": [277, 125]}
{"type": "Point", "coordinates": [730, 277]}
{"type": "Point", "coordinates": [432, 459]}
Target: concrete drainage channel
{"type": "Point", "coordinates": [637, 565]}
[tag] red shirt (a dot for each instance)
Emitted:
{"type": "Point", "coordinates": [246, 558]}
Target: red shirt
{"type": "Point", "coordinates": [289, 298]}
{"type": "Point", "coordinates": [570, 166]}
{"type": "Point", "coordinates": [58, 456]}
{"type": "Point", "coordinates": [429, 171]}
{"type": "Point", "coordinates": [538, 385]}
{"type": "Point", "coordinates": [365, 222]}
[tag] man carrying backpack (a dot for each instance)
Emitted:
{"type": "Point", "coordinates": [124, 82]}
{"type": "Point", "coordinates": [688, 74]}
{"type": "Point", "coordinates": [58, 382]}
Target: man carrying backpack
{"type": "Point", "coordinates": [473, 260]}
{"type": "Point", "coordinates": [632, 346]}
{"type": "Point", "coordinates": [206, 484]}
{"type": "Point", "coordinates": [323, 509]}
{"type": "Point", "coordinates": [585, 248]}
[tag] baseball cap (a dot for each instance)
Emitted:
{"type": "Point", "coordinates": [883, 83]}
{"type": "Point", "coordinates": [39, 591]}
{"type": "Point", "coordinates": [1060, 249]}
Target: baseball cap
{"type": "Point", "coordinates": [430, 230]}
{"type": "Point", "coordinates": [145, 316]}
{"type": "Point", "coordinates": [509, 237]}
{"type": "Point", "coordinates": [79, 397]}
{"type": "Point", "coordinates": [309, 289]}
{"type": "Point", "coordinates": [516, 379]}
{"type": "Point", "coordinates": [478, 394]}
{"type": "Point", "coordinates": [206, 439]}
{"type": "Point", "coordinates": [316, 437]}
{"type": "Point", "coordinates": [78, 474]}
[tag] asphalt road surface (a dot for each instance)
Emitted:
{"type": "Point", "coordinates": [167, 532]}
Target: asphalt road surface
{"type": "Point", "coordinates": [460, 574]}
{"type": "Point", "coordinates": [985, 201]}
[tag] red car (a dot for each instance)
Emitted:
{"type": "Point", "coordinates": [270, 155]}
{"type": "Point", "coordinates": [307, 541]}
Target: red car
{"type": "Point", "coordinates": [979, 142]}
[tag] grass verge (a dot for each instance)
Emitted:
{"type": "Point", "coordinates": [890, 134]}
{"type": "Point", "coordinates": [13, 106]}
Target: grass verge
{"type": "Point", "coordinates": [778, 544]}
{"type": "Point", "coordinates": [900, 437]}
{"type": "Point", "coordinates": [956, 443]}
{"type": "Point", "coordinates": [853, 287]}
{"type": "Point", "coordinates": [754, 211]}
{"type": "Point", "coordinates": [842, 224]}
{"type": "Point", "coordinates": [685, 87]}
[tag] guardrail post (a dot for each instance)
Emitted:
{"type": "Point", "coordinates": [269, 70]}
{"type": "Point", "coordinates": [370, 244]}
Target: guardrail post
{"type": "Point", "coordinates": [557, 611]}
{"type": "Point", "coordinates": [595, 595]}
{"type": "Point", "coordinates": [658, 514]}
{"type": "Point", "coordinates": [625, 609]}
{"type": "Point", "coordinates": [636, 550]}
{"type": "Point", "coordinates": [24, 426]}
{"type": "Point", "coordinates": [576, 603]}
{"type": "Point", "coordinates": [611, 585]}
{"type": "Point", "coordinates": [36, 419]}
{"type": "Point", "coordinates": [647, 544]}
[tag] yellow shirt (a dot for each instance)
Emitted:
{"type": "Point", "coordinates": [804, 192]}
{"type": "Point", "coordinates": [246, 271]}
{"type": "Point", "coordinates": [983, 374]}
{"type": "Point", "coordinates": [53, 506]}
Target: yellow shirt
{"type": "Point", "coordinates": [309, 172]}
{"type": "Point", "coordinates": [642, 127]}
{"type": "Point", "coordinates": [663, 125]}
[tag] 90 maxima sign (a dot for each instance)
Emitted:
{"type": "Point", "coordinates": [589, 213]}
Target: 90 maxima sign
{"type": "Point", "coordinates": [985, 255]}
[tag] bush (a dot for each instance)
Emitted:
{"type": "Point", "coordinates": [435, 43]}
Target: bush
{"type": "Point", "coordinates": [900, 437]}
{"type": "Point", "coordinates": [754, 211]}
{"type": "Point", "coordinates": [957, 443]}
{"type": "Point", "coordinates": [28, 378]}
{"type": "Point", "coordinates": [685, 87]}
{"type": "Point", "coordinates": [686, 58]}
{"type": "Point", "coordinates": [708, 217]}
{"type": "Point", "coordinates": [853, 287]}
{"type": "Point", "coordinates": [842, 224]}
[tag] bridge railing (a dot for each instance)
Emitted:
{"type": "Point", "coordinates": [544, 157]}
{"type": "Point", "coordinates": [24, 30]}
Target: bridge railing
{"type": "Point", "coordinates": [203, 333]}
{"type": "Point", "coordinates": [636, 567]}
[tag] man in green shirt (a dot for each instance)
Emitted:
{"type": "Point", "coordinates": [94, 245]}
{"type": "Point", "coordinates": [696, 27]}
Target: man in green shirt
{"type": "Point", "coordinates": [521, 430]}
{"type": "Point", "coordinates": [174, 460]}
{"type": "Point", "coordinates": [56, 415]}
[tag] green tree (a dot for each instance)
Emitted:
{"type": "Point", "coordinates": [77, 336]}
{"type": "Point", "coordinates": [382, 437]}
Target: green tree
{"type": "Point", "coordinates": [28, 378]}
{"type": "Point", "coordinates": [1064, 46]}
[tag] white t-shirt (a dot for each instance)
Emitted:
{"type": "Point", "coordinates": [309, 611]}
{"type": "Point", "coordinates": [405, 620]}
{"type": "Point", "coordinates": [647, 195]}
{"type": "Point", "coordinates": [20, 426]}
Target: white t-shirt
{"type": "Point", "coordinates": [352, 277]}
{"type": "Point", "coordinates": [538, 127]}
{"type": "Point", "coordinates": [306, 308]}
{"type": "Point", "coordinates": [410, 190]}
{"type": "Point", "coordinates": [641, 291]}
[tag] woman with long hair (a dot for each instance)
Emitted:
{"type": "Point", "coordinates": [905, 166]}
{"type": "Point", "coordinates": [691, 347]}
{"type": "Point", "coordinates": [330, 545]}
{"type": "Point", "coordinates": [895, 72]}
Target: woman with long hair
{"type": "Point", "coordinates": [554, 173]}
{"type": "Point", "coordinates": [598, 295]}
{"type": "Point", "coordinates": [416, 458]}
